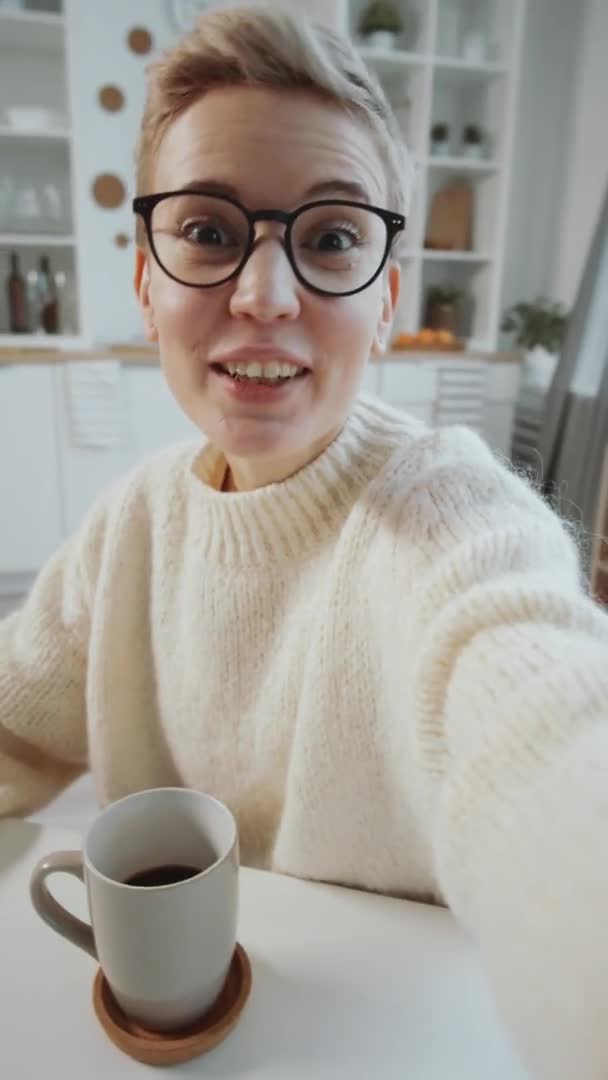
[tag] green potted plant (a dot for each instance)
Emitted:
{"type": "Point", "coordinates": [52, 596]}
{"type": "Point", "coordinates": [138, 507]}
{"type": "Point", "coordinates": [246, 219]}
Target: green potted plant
{"type": "Point", "coordinates": [472, 141]}
{"type": "Point", "coordinates": [445, 308]}
{"type": "Point", "coordinates": [539, 329]}
{"type": "Point", "coordinates": [380, 24]}
{"type": "Point", "coordinates": [540, 323]}
{"type": "Point", "coordinates": [440, 140]}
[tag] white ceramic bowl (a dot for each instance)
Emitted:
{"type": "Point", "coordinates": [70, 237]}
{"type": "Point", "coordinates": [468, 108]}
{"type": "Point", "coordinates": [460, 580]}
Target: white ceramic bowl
{"type": "Point", "coordinates": [35, 118]}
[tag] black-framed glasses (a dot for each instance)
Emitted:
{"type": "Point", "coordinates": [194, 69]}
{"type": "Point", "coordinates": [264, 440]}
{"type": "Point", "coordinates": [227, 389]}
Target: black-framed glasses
{"type": "Point", "coordinates": [335, 247]}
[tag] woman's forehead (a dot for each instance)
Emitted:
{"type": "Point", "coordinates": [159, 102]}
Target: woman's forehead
{"type": "Point", "coordinates": [261, 142]}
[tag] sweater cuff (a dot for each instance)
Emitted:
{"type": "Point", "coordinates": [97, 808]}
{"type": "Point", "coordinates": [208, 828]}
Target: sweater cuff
{"type": "Point", "coordinates": [542, 910]}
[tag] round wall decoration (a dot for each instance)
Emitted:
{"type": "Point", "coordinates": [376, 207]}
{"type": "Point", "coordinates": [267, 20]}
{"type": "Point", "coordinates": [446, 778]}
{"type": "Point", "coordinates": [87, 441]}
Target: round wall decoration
{"type": "Point", "coordinates": [108, 191]}
{"type": "Point", "coordinates": [140, 40]}
{"type": "Point", "coordinates": [111, 98]}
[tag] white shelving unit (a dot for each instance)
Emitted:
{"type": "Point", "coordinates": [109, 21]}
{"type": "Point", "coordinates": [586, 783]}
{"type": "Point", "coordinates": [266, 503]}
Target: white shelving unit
{"type": "Point", "coordinates": [37, 158]}
{"type": "Point", "coordinates": [432, 77]}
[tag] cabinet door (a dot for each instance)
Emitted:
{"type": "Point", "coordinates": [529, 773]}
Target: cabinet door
{"type": "Point", "coordinates": [31, 525]}
{"type": "Point", "coordinates": [136, 421]}
{"type": "Point", "coordinates": [410, 386]}
{"type": "Point", "coordinates": [95, 440]}
{"type": "Point", "coordinates": [370, 383]}
{"type": "Point", "coordinates": [157, 421]}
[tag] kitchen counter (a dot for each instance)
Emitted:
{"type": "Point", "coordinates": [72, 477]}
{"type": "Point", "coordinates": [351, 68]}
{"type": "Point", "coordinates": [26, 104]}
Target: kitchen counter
{"type": "Point", "coordinates": [127, 354]}
{"type": "Point", "coordinates": [148, 355]}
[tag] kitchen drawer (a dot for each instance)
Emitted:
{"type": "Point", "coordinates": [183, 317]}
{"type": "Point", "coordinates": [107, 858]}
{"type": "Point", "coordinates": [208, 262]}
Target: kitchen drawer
{"type": "Point", "coordinates": [405, 381]}
{"type": "Point", "coordinates": [502, 382]}
{"type": "Point", "coordinates": [30, 496]}
{"type": "Point", "coordinates": [370, 383]}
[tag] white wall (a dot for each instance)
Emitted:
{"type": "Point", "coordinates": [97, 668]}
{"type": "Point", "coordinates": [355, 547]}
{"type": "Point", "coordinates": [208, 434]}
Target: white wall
{"type": "Point", "coordinates": [98, 54]}
{"type": "Point", "coordinates": [586, 170]}
{"type": "Point", "coordinates": [549, 73]}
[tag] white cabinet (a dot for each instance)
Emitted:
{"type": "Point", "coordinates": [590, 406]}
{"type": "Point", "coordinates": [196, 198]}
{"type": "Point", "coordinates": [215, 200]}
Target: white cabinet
{"type": "Point", "coordinates": [454, 69]}
{"type": "Point", "coordinates": [150, 420]}
{"type": "Point", "coordinates": [502, 391]}
{"type": "Point", "coordinates": [411, 386]}
{"type": "Point", "coordinates": [37, 154]}
{"type": "Point", "coordinates": [31, 521]}
{"type": "Point", "coordinates": [156, 420]}
{"type": "Point", "coordinates": [478, 393]}
{"type": "Point", "coordinates": [86, 469]}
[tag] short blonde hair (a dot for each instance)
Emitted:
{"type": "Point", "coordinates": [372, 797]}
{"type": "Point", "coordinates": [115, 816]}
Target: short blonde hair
{"type": "Point", "coordinates": [264, 47]}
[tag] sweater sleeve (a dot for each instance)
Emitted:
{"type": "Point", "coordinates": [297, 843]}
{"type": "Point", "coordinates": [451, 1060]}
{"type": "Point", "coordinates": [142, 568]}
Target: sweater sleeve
{"type": "Point", "coordinates": [43, 666]}
{"type": "Point", "coordinates": [511, 700]}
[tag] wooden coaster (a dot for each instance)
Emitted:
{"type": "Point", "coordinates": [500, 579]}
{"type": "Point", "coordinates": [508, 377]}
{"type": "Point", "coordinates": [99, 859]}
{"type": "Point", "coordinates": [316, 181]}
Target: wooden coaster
{"type": "Point", "coordinates": [173, 1047]}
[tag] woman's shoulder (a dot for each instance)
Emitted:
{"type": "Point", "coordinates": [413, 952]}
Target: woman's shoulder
{"type": "Point", "coordinates": [447, 479]}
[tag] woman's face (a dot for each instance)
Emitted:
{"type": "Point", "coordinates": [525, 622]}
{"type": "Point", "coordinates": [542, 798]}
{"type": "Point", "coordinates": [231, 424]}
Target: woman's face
{"type": "Point", "coordinates": [268, 150]}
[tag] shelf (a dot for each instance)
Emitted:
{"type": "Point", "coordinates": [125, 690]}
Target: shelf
{"type": "Point", "coordinates": [456, 256]}
{"type": "Point", "coordinates": [462, 164]}
{"type": "Point", "coordinates": [31, 30]}
{"type": "Point", "coordinates": [36, 240]}
{"type": "Point", "coordinates": [444, 256]}
{"type": "Point", "coordinates": [59, 135]}
{"type": "Point", "coordinates": [50, 342]}
{"type": "Point", "coordinates": [391, 60]}
{"type": "Point", "coordinates": [452, 63]}
{"type": "Point", "coordinates": [463, 74]}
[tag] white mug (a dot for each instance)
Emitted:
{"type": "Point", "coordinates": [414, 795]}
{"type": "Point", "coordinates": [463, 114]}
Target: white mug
{"type": "Point", "coordinates": [165, 949]}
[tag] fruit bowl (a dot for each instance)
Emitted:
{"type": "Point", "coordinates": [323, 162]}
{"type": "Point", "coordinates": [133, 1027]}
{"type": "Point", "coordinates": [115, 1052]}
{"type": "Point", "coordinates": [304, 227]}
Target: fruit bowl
{"type": "Point", "coordinates": [427, 340]}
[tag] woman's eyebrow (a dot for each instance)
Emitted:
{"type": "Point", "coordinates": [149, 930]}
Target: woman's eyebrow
{"type": "Point", "coordinates": [212, 187]}
{"type": "Point", "coordinates": [350, 189]}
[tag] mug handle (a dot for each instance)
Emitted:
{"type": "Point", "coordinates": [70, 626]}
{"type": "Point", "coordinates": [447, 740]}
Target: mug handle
{"type": "Point", "coordinates": [54, 914]}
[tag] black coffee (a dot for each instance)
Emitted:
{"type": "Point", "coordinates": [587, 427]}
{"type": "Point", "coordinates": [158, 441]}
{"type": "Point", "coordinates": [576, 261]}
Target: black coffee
{"type": "Point", "coordinates": [162, 875]}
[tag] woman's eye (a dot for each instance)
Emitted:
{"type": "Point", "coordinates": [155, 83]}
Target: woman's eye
{"type": "Point", "coordinates": [338, 239]}
{"type": "Point", "coordinates": [207, 234]}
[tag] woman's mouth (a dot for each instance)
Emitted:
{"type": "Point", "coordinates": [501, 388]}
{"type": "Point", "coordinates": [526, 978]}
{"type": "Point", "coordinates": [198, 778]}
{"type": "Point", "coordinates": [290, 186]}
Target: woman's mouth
{"type": "Point", "coordinates": [272, 373]}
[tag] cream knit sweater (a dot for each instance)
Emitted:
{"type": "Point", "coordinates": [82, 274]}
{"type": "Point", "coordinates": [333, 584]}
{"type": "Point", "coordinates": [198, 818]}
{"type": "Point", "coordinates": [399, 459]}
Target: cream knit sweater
{"type": "Point", "coordinates": [386, 666]}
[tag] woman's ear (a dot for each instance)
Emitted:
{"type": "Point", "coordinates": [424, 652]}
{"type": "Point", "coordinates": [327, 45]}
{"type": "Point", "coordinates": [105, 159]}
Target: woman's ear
{"type": "Point", "coordinates": [141, 281]}
{"type": "Point", "coordinates": [390, 298]}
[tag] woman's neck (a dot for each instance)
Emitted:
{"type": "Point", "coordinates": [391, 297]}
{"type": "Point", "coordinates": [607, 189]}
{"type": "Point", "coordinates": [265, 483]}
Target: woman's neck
{"type": "Point", "coordinates": [243, 474]}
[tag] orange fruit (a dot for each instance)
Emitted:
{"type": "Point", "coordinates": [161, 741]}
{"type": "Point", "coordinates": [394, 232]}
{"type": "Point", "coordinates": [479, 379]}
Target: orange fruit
{"type": "Point", "coordinates": [402, 341]}
{"type": "Point", "coordinates": [426, 337]}
{"type": "Point", "coordinates": [445, 337]}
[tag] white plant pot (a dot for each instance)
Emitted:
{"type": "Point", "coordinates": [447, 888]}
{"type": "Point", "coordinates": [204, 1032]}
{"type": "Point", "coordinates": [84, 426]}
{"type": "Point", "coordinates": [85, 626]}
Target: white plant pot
{"type": "Point", "coordinates": [539, 367]}
{"type": "Point", "coordinates": [381, 39]}
{"type": "Point", "coordinates": [472, 151]}
{"type": "Point", "coordinates": [440, 147]}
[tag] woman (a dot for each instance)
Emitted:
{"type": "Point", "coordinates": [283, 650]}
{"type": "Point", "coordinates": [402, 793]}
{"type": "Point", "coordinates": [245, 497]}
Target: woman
{"type": "Point", "coordinates": [370, 639]}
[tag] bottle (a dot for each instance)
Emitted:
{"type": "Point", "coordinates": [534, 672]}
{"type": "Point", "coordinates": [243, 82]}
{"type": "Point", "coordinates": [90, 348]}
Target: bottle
{"type": "Point", "coordinates": [47, 297]}
{"type": "Point", "coordinates": [65, 299]}
{"type": "Point", "coordinates": [27, 210]}
{"type": "Point", "coordinates": [32, 301]}
{"type": "Point", "coordinates": [17, 297]}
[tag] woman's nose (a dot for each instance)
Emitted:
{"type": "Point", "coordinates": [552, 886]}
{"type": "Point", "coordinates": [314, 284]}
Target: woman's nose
{"type": "Point", "coordinates": [267, 288]}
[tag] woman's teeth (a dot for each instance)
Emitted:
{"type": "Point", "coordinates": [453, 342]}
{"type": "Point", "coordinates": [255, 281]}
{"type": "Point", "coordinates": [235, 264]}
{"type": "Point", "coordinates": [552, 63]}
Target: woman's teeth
{"type": "Point", "coordinates": [271, 372]}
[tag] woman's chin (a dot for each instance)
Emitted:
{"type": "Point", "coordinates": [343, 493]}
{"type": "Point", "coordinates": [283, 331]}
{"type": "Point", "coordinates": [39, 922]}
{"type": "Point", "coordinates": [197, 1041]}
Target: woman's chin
{"type": "Point", "coordinates": [262, 451]}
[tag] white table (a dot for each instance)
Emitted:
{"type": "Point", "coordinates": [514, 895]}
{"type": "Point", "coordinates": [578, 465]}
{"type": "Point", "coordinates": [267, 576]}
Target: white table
{"type": "Point", "coordinates": [345, 985]}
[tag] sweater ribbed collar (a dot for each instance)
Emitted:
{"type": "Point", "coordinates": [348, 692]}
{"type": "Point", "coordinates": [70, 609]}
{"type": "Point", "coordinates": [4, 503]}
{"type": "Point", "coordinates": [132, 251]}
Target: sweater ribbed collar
{"type": "Point", "coordinates": [289, 519]}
